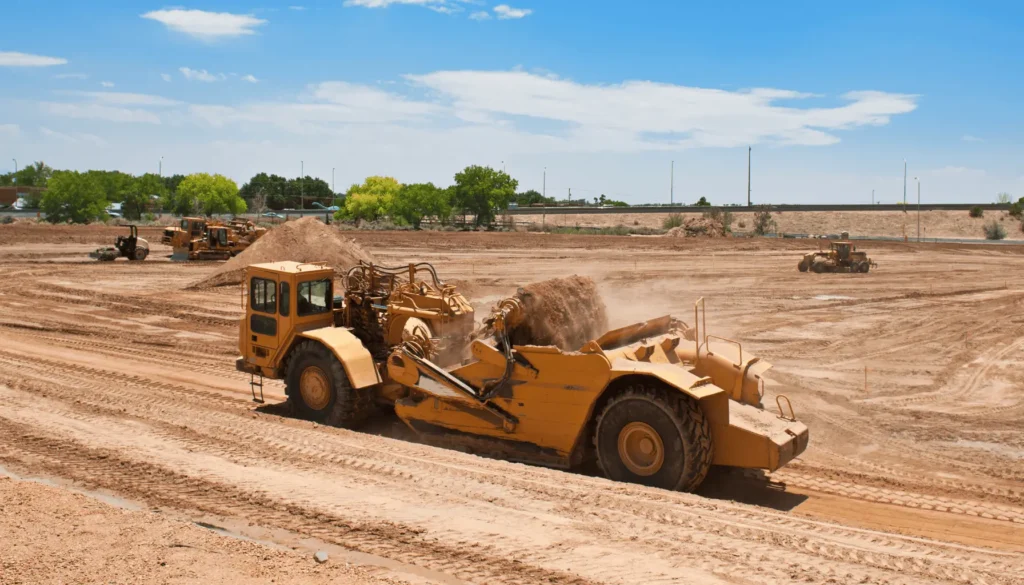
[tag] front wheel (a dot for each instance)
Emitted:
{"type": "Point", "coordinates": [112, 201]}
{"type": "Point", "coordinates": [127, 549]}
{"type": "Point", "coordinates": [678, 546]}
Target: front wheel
{"type": "Point", "coordinates": [319, 389]}
{"type": "Point", "coordinates": [803, 265]}
{"type": "Point", "coordinates": [655, 437]}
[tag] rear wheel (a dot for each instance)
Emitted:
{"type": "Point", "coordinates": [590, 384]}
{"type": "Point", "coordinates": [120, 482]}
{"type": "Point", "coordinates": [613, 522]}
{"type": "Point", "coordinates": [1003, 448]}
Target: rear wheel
{"type": "Point", "coordinates": [656, 437]}
{"type": "Point", "coordinates": [865, 266]}
{"type": "Point", "coordinates": [319, 389]}
{"type": "Point", "coordinates": [140, 254]}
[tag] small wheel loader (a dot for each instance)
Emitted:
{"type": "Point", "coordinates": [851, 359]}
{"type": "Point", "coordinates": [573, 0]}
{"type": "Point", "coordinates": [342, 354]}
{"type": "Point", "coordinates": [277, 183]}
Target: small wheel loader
{"type": "Point", "coordinates": [131, 247]}
{"type": "Point", "coordinates": [655, 403]}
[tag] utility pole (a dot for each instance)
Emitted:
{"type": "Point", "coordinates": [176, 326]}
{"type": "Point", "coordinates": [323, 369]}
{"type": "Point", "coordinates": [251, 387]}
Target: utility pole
{"type": "Point", "coordinates": [918, 208]}
{"type": "Point", "coordinates": [332, 183]}
{"type": "Point", "coordinates": [15, 170]}
{"type": "Point", "coordinates": [503, 166]}
{"type": "Point", "coordinates": [904, 185]}
{"type": "Point", "coordinates": [672, 183]}
{"type": "Point", "coordinates": [569, 196]}
{"type": "Point", "coordinates": [748, 176]}
{"type": "Point", "coordinates": [872, 197]}
{"type": "Point", "coordinates": [302, 184]}
{"type": "Point", "coordinates": [161, 171]}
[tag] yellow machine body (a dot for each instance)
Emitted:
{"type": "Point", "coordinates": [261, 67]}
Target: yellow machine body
{"type": "Point", "coordinates": [537, 404]}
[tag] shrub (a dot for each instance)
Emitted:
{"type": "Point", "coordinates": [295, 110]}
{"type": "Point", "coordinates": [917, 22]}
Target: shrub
{"type": "Point", "coordinates": [7, 219]}
{"type": "Point", "coordinates": [977, 211]}
{"type": "Point", "coordinates": [149, 217]}
{"type": "Point", "coordinates": [994, 231]}
{"type": "Point", "coordinates": [742, 224]}
{"type": "Point", "coordinates": [673, 220]}
{"type": "Point", "coordinates": [763, 222]}
{"type": "Point", "coordinates": [1017, 209]}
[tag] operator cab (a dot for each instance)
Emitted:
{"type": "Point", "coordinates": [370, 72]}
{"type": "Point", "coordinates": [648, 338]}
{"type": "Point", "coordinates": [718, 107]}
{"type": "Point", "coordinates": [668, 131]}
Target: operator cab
{"type": "Point", "coordinates": [284, 298]}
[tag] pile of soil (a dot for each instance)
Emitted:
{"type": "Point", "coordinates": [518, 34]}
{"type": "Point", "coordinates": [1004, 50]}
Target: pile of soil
{"type": "Point", "coordinates": [304, 240]}
{"type": "Point", "coordinates": [699, 227]}
{"type": "Point", "coordinates": [564, 312]}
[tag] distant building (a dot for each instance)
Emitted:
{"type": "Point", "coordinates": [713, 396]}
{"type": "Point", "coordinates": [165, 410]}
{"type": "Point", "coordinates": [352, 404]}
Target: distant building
{"type": "Point", "coordinates": [10, 195]}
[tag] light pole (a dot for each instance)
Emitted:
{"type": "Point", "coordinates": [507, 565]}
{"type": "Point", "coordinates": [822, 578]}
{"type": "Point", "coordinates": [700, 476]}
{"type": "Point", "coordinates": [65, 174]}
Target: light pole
{"type": "Point", "coordinates": [161, 171]}
{"type": "Point", "coordinates": [332, 183]}
{"type": "Point", "coordinates": [15, 170]}
{"type": "Point", "coordinates": [872, 197]}
{"type": "Point", "coordinates": [544, 188]}
{"type": "Point", "coordinates": [503, 166]}
{"type": "Point", "coordinates": [748, 175]}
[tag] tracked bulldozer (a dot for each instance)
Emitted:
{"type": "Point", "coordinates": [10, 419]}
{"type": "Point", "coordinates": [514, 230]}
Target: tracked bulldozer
{"type": "Point", "coordinates": [655, 403]}
{"type": "Point", "coordinates": [197, 239]}
{"type": "Point", "coordinates": [131, 247]}
{"type": "Point", "coordinates": [842, 256]}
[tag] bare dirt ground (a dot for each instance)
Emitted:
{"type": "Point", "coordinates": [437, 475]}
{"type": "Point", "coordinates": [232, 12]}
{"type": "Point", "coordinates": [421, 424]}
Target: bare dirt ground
{"type": "Point", "coordinates": [934, 224]}
{"type": "Point", "coordinates": [116, 379]}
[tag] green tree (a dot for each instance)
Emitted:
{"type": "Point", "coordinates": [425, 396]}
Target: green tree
{"type": "Point", "coordinates": [703, 202]}
{"type": "Point", "coordinates": [371, 200]}
{"type": "Point", "coordinates": [138, 194]}
{"type": "Point", "coordinates": [528, 198]}
{"type": "Point", "coordinates": [414, 202]}
{"type": "Point", "coordinates": [73, 196]}
{"type": "Point", "coordinates": [210, 194]}
{"type": "Point", "coordinates": [483, 192]}
{"type": "Point", "coordinates": [303, 192]}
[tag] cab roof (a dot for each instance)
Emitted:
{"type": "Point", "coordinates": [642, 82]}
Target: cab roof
{"type": "Point", "coordinates": [292, 267]}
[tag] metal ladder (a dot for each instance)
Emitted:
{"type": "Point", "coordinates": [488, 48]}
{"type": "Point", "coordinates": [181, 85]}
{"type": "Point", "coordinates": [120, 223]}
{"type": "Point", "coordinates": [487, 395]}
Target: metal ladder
{"type": "Point", "coordinates": [253, 385]}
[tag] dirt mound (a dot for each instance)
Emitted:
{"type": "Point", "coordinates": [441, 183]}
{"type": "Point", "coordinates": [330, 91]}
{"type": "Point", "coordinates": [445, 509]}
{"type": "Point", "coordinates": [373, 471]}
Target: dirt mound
{"type": "Point", "coordinates": [564, 312]}
{"type": "Point", "coordinates": [699, 227]}
{"type": "Point", "coordinates": [304, 240]}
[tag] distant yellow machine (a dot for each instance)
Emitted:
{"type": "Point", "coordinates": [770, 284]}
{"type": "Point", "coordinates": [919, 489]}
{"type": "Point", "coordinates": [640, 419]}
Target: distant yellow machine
{"type": "Point", "coordinates": [199, 239]}
{"type": "Point", "coordinates": [655, 403]}
{"type": "Point", "coordinates": [841, 256]}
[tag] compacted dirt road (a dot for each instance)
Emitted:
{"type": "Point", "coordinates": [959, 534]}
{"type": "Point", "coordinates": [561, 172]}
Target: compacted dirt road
{"type": "Point", "coordinates": [116, 379]}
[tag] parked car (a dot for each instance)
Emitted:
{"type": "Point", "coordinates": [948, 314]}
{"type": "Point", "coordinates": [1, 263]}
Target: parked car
{"type": "Point", "coordinates": [273, 215]}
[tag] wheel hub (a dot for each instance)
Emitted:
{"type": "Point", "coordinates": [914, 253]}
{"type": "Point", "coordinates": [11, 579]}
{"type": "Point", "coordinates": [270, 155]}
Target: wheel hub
{"type": "Point", "coordinates": [641, 449]}
{"type": "Point", "coordinates": [315, 387]}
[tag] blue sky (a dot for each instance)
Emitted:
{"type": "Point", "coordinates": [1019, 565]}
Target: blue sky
{"type": "Point", "coordinates": [602, 94]}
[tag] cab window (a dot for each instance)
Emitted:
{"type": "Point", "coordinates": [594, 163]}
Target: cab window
{"type": "Point", "coordinates": [222, 237]}
{"type": "Point", "coordinates": [262, 295]}
{"type": "Point", "coordinates": [314, 297]}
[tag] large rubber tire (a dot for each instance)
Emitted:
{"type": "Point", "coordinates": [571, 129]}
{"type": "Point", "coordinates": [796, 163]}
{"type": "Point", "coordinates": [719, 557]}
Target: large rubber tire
{"type": "Point", "coordinates": [140, 254]}
{"type": "Point", "coordinates": [344, 407]}
{"type": "Point", "coordinates": [803, 265]}
{"type": "Point", "coordinates": [865, 266]}
{"type": "Point", "coordinates": [818, 266]}
{"type": "Point", "coordinates": [684, 433]}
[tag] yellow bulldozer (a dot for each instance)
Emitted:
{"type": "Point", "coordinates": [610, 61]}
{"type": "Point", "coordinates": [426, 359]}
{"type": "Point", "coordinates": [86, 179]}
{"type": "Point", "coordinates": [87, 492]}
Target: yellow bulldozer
{"type": "Point", "coordinates": [655, 403]}
{"type": "Point", "coordinates": [198, 239]}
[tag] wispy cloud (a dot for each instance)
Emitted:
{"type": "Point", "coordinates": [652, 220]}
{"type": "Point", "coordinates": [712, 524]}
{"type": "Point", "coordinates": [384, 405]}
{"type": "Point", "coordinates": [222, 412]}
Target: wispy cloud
{"type": "Point", "coordinates": [99, 112]}
{"type": "Point", "coordinates": [166, 77]}
{"type": "Point", "coordinates": [107, 83]}
{"type": "Point", "coordinates": [969, 138]}
{"type": "Point", "coordinates": [200, 75]}
{"type": "Point", "coordinates": [250, 78]}
{"type": "Point", "coordinates": [480, 15]}
{"type": "Point", "coordinates": [71, 76]}
{"type": "Point", "coordinates": [10, 130]}
{"type": "Point", "coordinates": [298, 8]}
{"type": "Point", "coordinates": [206, 25]}
{"type": "Point", "coordinates": [123, 98]}
{"type": "Point", "coordinates": [73, 138]}
{"type": "Point", "coordinates": [13, 59]}
{"type": "Point", "coordinates": [442, 6]}
{"type": "Point", "coordinates": [506, 12]}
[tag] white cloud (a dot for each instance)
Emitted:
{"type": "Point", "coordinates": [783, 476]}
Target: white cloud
{"type": "Point", "coordinates": [166, 77]}
{"type": "Point", "coordinates": [647, 115]}
{"type": "Point", "coordinates": [506, 12]}
{"type": "Point", "coordinates": [250, 78]}
{"type": "Point", "coordinates": [73, 138]}
{"type": "Point", "coordinates": [107, 83]}
{"type": "Point", "coordinates": [10, 130]}
{"type": "Point", "coordinates": [71, 76]}
{"type": "Point", "coordinates": [100, 112]}
{"type": "Point", "coordinates": [13, 59]}
{"type": "Point", "coordinates": [298, 8]}
{"type": "Point", "coordinates": [199, 75]}
{"type": "Point", "coordinates": [969, 138]}
{"type": "Point", "coordinates": [481, 15]}
{"type": "Point", "coordinates": [206, 25]}
{"type": "Point", "coordinates": [442, 6]}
